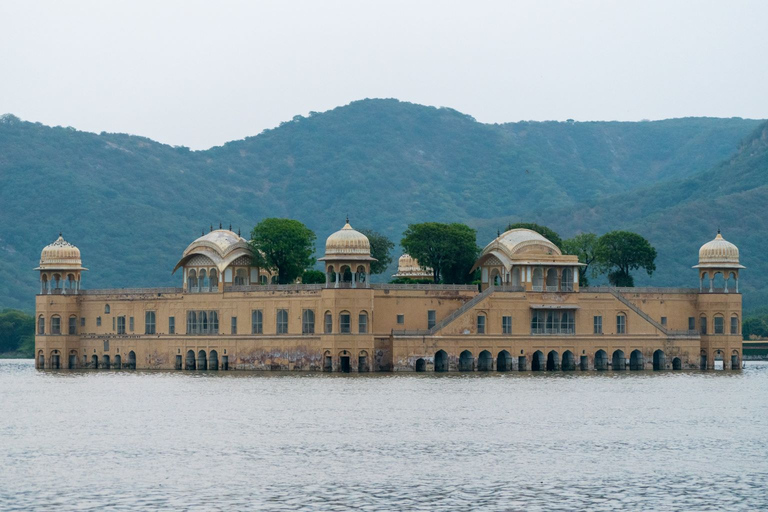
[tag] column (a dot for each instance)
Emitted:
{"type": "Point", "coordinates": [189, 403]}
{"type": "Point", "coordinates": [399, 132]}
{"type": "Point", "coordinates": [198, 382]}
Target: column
{"type": "Point", "coordinates": [354, 283]}
{"type": "Point", "coordinates": [337, 280]}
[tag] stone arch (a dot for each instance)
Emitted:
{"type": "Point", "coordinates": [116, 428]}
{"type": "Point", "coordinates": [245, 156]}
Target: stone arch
{"type": "Point", "coordinates": [362, 362]}
{"type": "Point", "coordinates": [718, 282]}
{"type": "Point", "coordinates": [553, 361]}
{"type": "Point", "coordinates": [327, 361]}
{"type": "Point", "coordinates": [659, 360]}
{"type": "Point", "coordinates": [345, 365]}
{"type": "Point", "coordinates": [677, 364]}
{"type": "Point", "coordinates": [72, 360]}
{"type": "Point", "coordinates": [95, 361]}
{"type": "Point", "coordinates": [495, 277]}
{"type": "Point", "coordinates": [601, 360]}
{"type": "Point", "coordinates": [55, 360]}
{"type": "Point", "coordinates": [504, 361]}
{"type": "Point", "coordinates": [618, 361]}
{"type": "Point", "coordinates": [636, 360]}
{"type": "Point", "coordinates": [202, 360]}
{"type": "Point", "coordinates": [41, 325]}
{"type": "Point", "coordinates": [735, 360]}
{"type": "Point", "coordinates": [538, 363]}
{"type": "Point", "coordinates": [484, 361]}
{"type": "Point", "coordinates": [552, 280]}
{"type": "Point", "coordinates": [466, 361]}
{"type": "Point", "coordinates": [118, 364]}
{"type": "Point", "coordinates": [538, 279]}
{"type": "Point", "coordinates": [441, 361]}
{"type": "Point", "coordinates": [213, 360]}
{"type": "Point", "coordinates": [421, 365]}
{"type": "Point", "coordinates": [190, 360]}
{"type": "Point", "coordinates": [132, 360]}
{"type": "Point", "coordinates": [569, 361]}
{"type": "Point", "coordinates": [40, 360]}
{"type": "Point", "coordinates": [105, 362]}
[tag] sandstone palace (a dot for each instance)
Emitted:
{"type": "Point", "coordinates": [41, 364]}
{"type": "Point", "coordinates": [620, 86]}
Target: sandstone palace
{"type": "Point", "coordinates": [528, 314]}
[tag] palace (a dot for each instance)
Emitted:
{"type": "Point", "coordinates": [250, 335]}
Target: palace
{"type": "Point", "coordinates": [528, 314]}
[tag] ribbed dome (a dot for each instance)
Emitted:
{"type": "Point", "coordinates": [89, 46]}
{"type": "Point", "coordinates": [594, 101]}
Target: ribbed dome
{"type": "Point", "coordinates": [719, 251]}
{"type": "Point", "coordinates": [347, 242]}
{"type": "Point", "coordinates": [60, 255]}
{"type": "Point", "coordinates": [408, 266]}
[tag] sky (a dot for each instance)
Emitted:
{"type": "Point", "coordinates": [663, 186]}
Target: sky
{"type": "Point", "coordinates": [199, 74]}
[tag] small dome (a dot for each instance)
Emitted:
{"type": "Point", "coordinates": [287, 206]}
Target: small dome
{"type": "Point", "coordinates": [347, 242]}
{"type": "Point", "coordinates": [60, 255]}
{"type": "Point", "coordinates": [408, 266]}
{"type": "Point", "coordinates": [719, 253]}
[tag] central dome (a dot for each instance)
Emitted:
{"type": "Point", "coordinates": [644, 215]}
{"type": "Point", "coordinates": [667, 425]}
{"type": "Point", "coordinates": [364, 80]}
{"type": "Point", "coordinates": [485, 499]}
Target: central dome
{"type": "Point", "coordinates": [719, 253]}
{"type": "Point", "coordinates": [60, 255]}
{"type": "Point", "coordinates": [347, 242]}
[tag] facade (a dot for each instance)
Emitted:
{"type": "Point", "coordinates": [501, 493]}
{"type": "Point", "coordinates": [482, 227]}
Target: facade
{"type": "Point", "coordinates": [528, 314]}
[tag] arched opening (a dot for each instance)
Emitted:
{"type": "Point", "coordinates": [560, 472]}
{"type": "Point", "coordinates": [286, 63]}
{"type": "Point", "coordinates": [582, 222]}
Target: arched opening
{"type": "Point", "coordinates": [522, 363]}
{"type": "Point", "coordinates": [214, 277]}
{"type": "Point", "coordinates": [636, 360]}
{"type": "Point", "coordinates": [72, 360]}
{"type": "Point", "coordinates": [362, 362]}
{"type": "Point", "coordinates": [495, 277]}
{"type": "Point", "coordinates": [601, 360]}
{"type": "Point", "coordinates": [105, 362]}
{"type": "Point", "coordinates": [569, 362]}
{"type": "Point", "coordinates": [191, 282]}
{"type": "Point", "coordinates": [516, 276]}
{"type": "Point", "coordinates": [132, 360]}
{"type": "Point", "coordinates": [44, 284]}
{"type": "Point", "coordinates": [41, 325]}
{"type": "Point", "coordinates": [703, 360]}
{"type": "Point", "coordinates": [538, 279]}
{"type": "Point", "coordinates": [40, 360]}
{"type": "Point", "coordinates": [567, 280]}
{"type": "Point", "coordinates": [552, 280]}
{"type": "Point", "coordinates": [56, 282]}
{"type": "Point", "coordinates": [190, 361]}
{"type": "Point", "coordinates": [538, 363]}
{"type": "Point", "coordinates": [504, 361]}
{"type": "Point", "coordinates": [344, 322]}
{"type": "Point", "coordinates": [308, 322]}
{"type": "Point", "coordinates": [344, 365]}
{"type": "Point", "coordinates": [118, 362]}
{"type": "Point", "coordinates": [55, 360]}
{"type": "Point", "coordinates": [202, 280]}
{"type": "Point", "coordinates": [553, 361]}
{"type": "Point", "coordinates": [659, 360]}
{"type": "Point", "coordinates": [718, 282]}
{"type": "Point", "coordinates": [485, 361]}
{"type": "Point", "coordinates": [225, 363]}
{"type": "Point", "coordinates": [94, 361]}
{"type": "Point", "coordinates": [441, 361]}
{"type": "Point", "coordinates": [719, 360]}
{"type": "Point", "coordinates": [327, 362]}
{"type": "Point", "coordinates": [361, 275]}
{"type": "Point", "coordinates": [213, 360]}
{"type": "Point", "coordinates": [734, 324]}
{"type": "Point", "coordinates": [241, 277]}
{"type": "Point", "coordinates": [346, 274]}
{"type": "Point", "coordinates": [619, 361]}
{"type": "Point", "coordinates": [421, 365]}
{"type": "Point", "coordinates": [677, 364]}
{"type": "Point", "coordinates": [466, 361]}
{"type": "Point", "coordinates": [202, 360]}
{"type": "Point", "coordinates": [362, 323]}
{"type": "Point", "coordinates": [704, 282]}
{"type": "Point", "coordinates": [718, 324]}
{"type": "Point", "coordinates": [735, 362]}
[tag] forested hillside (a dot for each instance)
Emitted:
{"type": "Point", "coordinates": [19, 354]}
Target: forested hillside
{"type": "Point", "coordinates": [132, 204]}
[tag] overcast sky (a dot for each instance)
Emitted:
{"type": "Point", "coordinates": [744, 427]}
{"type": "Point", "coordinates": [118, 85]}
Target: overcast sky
{"type": "Point", "coordinates": [202, 73]}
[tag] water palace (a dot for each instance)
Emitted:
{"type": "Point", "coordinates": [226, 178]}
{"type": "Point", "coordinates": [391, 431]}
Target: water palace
{"type": "Point", "coordinates": [529, 314]}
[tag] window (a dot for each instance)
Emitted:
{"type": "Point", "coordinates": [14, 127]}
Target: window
{"type": "Point", "coordinates": [691, 323]}
{"type": "Point", "coordinates": [55, 325]}
{"type": "Point", "coordinates": [257, 322]}
{"type": "Point", "coordinates": [621, 324]}
{"type": "Point", "coordinates": [41, 325]}
{"type": "Point", "coordinates": [567, 322]}
{"type": "Point", "coordinates": [362, 323]}
{"type": "Point", "coordinates": [537, 322]}
{"type": "Point", "coordinates": [719, 325]}
{"type": "Point", "coordinates": [73, 325]}
{"type": "Point", "coordinates": [401, 319]}
{"type": "Point", "coordinates": [240, 277]}
{"type": "Point", "coordinates": [480, 324]}
{"type": "Point", "coordinates": [308, 322]}
{"type": "Point", "coordinates": [106, 309]}
{"type": "Point", "coordinates": [98, 321]}
{"type": "Point", "coordinates": [171, 325]}
{"type": "Point", "coordinates": [598, 324]}
{"type": "Point", "coordinates": [431, 318]}
{"type": "Point", "coordinates": [282, 321]}
{"type": "Point", "coordinates": [121, 325]}
{"type": "Point", "coordinates": [233, 325]}
{"type": "Point", "coordinates": [214, 320]}
{"type": "Point", "coordinates": [131, 324]}
{"type": "Point", "coordinates": [506, 325]}
{"type": "Point", "coordinates": [149, 322]}
{"type": "Point", "coordinates": [344, 320]}
{"type": "Point", "coordinates": [734, 325]}
{"type": "Point", "coordinates": [328, 322]}
{"type": "Point", "coordinates": [191, 322]}
{"type": "Point", "coordinates": [703, 325]}
{"type": "Point", "coordinates": [664, 321]}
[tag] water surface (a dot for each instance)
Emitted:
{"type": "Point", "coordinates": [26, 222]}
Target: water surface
{"type": "Point", "coordinates": [127, 440]}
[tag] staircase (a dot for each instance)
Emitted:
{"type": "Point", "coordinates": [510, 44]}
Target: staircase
{"type": "Point", "coordinates": [463, 309]}
{"type": "Point", "coordinates": [637, 310]}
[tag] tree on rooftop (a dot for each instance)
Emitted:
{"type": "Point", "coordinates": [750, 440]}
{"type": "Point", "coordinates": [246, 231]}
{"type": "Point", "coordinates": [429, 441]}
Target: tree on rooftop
{"type": "Point", "coordinates": [620, 252]}
{"type": "Point", "coordinates": [285, 246]}
{"type": "Point", "coordinates": [449, 249]}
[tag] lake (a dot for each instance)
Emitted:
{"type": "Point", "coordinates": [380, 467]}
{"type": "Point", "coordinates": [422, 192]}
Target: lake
{"type": "Point", "coordinates": [128, 440]}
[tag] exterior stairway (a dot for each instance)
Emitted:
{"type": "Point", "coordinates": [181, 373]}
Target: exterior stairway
{"type": "Point", "coordinates": [463, 309]}
{"type": "Point", "coordinates": [616, 293]}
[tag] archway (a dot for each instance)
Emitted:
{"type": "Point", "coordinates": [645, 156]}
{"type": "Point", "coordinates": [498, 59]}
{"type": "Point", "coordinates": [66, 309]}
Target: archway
{"type": "Point", "coordinates": [719, 362]}
{"type": "Point", "coordinates": [538, 363]}
{"type": "Point", "coordinates": [421, 365]}
{"type": "Point", "coordinates": [735, 363]}
{"type": "Point", "coordinates": [659, 360]}
{"type": "Point", "coordinates": [553, 361]}
{"type": "Point", "coordinates": [619, 361]}
{"type": "Point", "coordinates": [601, 360]}
{"type": "Point", "coordinates": [636, 360]}
{"type": "Point", "coordinates": [95, 361]}
{"type": "Point", "coordinates": [55, 360]}
{"type": "Point", "coordinates": [569, 362]}
{"type": "Point", "coordinates": [344, 364]}
{"type": "Point", "coordinates": [441, 361]}
{"type": "Point", "coordinates": [40, 360]}
{"type": "Point", "coordinates": [213, 360]}
{"type": "Point", "coordinates": [677, 364]}
{"type": "Point", "coordinates": [132, 360]}
{"type": "Point", "coordinates": [538, 279]}
{"type": "Point", "coordinates": [72, 360]}
{"type": "Point", "coordinates": [327, 362]}
{"type": "Point", "coordinates": [485, 361]}
{"type": "Point", "coordinates": [516, 276]}
{"type": "Point", "coordinates": [552, 280]}
{"type": "Point", "coordinates": [105, 362]}
{"type": "Point", "coordinates": [703, 360]}
{"type": "Point", "coordinates": [190, 362]}
{"type": "Point", "coordinates": [362, 362]}
{"type": "Point", "coordinates": [466, 361]}
{"type": "Point", "coordinates": [118, 362]}
{"type": "Point", "coordinates": [202, 360]}
{"type": "Point", "coordinates": [504, 361]}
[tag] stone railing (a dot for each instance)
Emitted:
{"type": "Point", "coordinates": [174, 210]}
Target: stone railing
{"type": "Point", "coordinates": [426, 287]}
{"type": "Point", "coordinates": [639, 289]}
{"type": "Point", "coordinates": [272, 287]}
{"type": "Point", "coordinates": [131, 291]}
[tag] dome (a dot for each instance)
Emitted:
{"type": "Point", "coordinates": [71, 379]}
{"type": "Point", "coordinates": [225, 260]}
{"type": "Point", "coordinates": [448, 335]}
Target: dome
{"type": "Point", "coordinates": [522, 240]}
{"type": "Point", "coordinates": [347, 242]}
{"type": "Point", "coordinates": [408, 266]}
{"type": "Point", "coordinates": [719, 253]}
{"type": "Point", "coordinates": [60, 255]}
{"type": "Point", "coordinates": [220, 246]}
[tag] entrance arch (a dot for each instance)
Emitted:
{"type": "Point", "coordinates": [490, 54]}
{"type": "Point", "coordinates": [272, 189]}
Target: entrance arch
{"type": "Point", "coordinates": [105, 362]}
{"type": "Point", "coordinates": [40, 360]}
{"type": "Point", "coordinates": [327, 361]}
{"type": "Point", "coordinates": [569, 362]}
{"type": "Point", "coordinates": [485, 361]}
{"type": "Point", "coordinates": [213, 360]}
{"type": "Point", "coordinates": [503, 361]}
{"type": "Point", "coordinates": [466, 361]}
{"type": "Point", "coordinates": [735, 362]}
{"type": "Point", "coordinates": [95, 361]}
{"type": "Point", "coordinates": [703, 360]}
{"type": "Point", "coordinates": [538, 363]}
{"type": "Point", "coordinates": [619, 361]}
{"type": "Point", "coordinates": [421, 365]}
{"type": "Point", "coordinates": [72, 360]}
{"type": "Point", "coordinates": [601, 360]}
{"type": "Point", "coordinates": [553, 361]}
{"type": "Point", "coordinates": [202, 360]}
{"type": "Point", "coordinates": [362, 362]}
{"type": "Point", "coordinates": [441, 361]}
{"type": "Point", "coordinates": [132, 360]}
{"type": "Point", "coordinates": [190, 362]}
{"type": "Point", "coordinates": [659, 360]}
{"type": "Point", "coordinates": [118, 362]}
{"type": "Point", "coordinates": [344, 364]}
{"type": "Point", "coordinates": [636, 360]}
{"type": "Point", "coordinates": [677, 364]}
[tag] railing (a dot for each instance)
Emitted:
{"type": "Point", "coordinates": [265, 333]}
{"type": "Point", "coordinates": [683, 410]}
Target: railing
{"type": "Point", "coordinates": [125, 291]}
{"type": "Point", "coordinates": [426, 287]}
{"type": "Point", "coordinates": [537, 288]}
{"type": "Point", "coordinates": [551, 288]}
{"type": "Point", "coordinates": [641, 289]}
{"type": "Point", "coordinates": [553, 330]}
{"type": "Point", "coordinates": [508, 288]}
{"type": "Point", "coordinates": [200, 289]}
{"type": "Point", "coordinates": [411, 332]}
{"type": "Point", "coordinates": [272, 287]}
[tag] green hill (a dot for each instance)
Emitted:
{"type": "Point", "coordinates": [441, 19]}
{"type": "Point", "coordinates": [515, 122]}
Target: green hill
{"type": "Point", "coordinates": [132, 204]}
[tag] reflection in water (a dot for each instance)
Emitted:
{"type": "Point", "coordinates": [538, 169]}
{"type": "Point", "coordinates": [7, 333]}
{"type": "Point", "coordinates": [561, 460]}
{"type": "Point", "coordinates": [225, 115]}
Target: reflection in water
{"type": "Point", "coordinates": [121, 440]}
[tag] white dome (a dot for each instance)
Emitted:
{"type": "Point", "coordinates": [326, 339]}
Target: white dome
{"type": "Point", "coordinates": [347, 242]}
{"type": "Point", "coordinates": [719, 253]}
{"type": "Point", "coordinates": [60, 255]}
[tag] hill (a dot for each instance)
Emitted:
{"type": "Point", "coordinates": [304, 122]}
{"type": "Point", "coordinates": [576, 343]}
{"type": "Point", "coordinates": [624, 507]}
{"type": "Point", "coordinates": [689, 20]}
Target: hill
{"type": "Point", "coordinates": [132, 204]}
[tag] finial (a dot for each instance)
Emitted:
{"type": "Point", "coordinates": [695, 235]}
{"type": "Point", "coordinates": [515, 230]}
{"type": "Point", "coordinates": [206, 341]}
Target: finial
{"type": "Point", "coordinates": [203, 231]}
{"type": "Point", "coordinates": [347, 218]}
{"type": "Point", "coordinates": [498, 232]}
{"type": "Point", "coordinates": [219, 225]}
{"type": "Point", "coordinates": [238, 231]}
{"type": "Point", "coordinates": [211, 227]}
{"type": "Point", "coordinates": [230, 226]}
{"type": "Point", "coordinates": [718, 230]}
{"type": "Point", "coordinates": [60, 234]}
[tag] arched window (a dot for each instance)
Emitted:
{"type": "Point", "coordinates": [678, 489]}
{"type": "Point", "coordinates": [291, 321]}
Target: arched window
{"type": "Point", "coordinates": [240, 277]}
{"type": "Point", "coordinates": [257, 322]}
{"type": "Point", "coordinates": [567, 280]}
{"type": "Point", "coordinates": [552, 280]}
{"type": "Point", "coordinates": [191, 322]}
{"type": "Point", "coordinates": [516, 276]}
{"type": "Point", "coordinates": [72, 327]}
{"type": "Point", "coordinates": [362, 323]}
{"type": "Point", "coordinates": [538, 279]}
{"type": "Point", "coordinates": [202, 322]}
{"type": "Point", "coordinates": [263, 279]}
{"type": "Point", "coordinates": [328, 322]}
{"type": "Point", "coordinates": [71, 282]}
{"type": "Point", "coordinates": [56, 324]}
{"type": "Point", "coordinates": [703, 324]}
{"type": "Point", "coordinates": [57, 281]}
{"type": "Point", "coordinates": [192, 281]}
{"type": "Point", "coordinates": [214, 322]}
{"type": "Point", "coordinates": [734, 324]}
{"type": "Point", "coordinates": [361, 274]}
{"type": "Point", "coordinates": [719, 324]}
{"type": "Point", "coordinates": [308, 322]}
{"type": "Point", "coordinates": [214, 277]}
{"type": "Point", "coordinates": [44, 284]}
{"type": "Point", "coordinates": [481, 323]}
{"type": "Point", "coordinates": [41, 324]}
{"type": "Point", "coordinates": [203, 281]}
{"type": "Point", "coordinates": [106, 309]}
{"type": "Point", "coordinates": [149, 322]}
{"type": "Point", "coordinates": [344, 320]}
{"type": "Point", "coordinates": [282, 321]}
{"type": "Point", "coordinates": [621, 323]}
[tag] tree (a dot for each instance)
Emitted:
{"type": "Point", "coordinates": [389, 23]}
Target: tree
{"type": "Point", "coordinates": [449, 249]}
{"type": "Point", "coordinates": [380, 247]}
{"type": "Point", "coordinates": [285, 246]}
{"type": "Point", "coordinates": [620, 252]}
{"type": "Point", "coordinates": [313, 277]}
{"type": "Point", "coordinates": [585, 247]}
{"type": "Point", "coordinates": [17, 332]}
{"type": "Point", "coordinates": [542, 230]}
